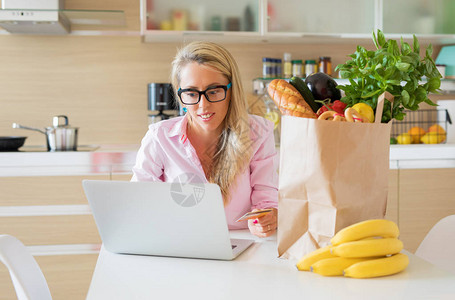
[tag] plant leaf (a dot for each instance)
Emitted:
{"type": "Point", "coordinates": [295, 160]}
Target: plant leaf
{"type": "Point", "coordinates": [393, 82]}
{"type": "Point", "coordinates": [345, 74]}
{"type": "Point", "coordinates": [381, 38]}
{"type": "Point", "coordinates": [434, 84]}
{"type": "Point", "coordinates": [405, 48]}
{"type": "Point", "coordinates": [404, 67]}
{"type": "Point", "coordinates": [371, 94]}
{"type": "Point", "coordinates": [375, 40]}
{"type": "Point", "coordinates": [428, 101]}
{"type": "Point", "coordinates": [429, 50]}
{"type": "Point", "coordinates": [416, 45]}
{"type": "Point", "coordinates": [405, 97]}
{"type": "Point", "coordinates": [407, 59]}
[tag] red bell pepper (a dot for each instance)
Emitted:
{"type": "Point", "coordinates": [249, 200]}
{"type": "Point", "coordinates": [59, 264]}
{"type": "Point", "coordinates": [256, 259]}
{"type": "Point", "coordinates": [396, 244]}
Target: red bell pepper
{"type": "Point", "coordinates": [337, 106]}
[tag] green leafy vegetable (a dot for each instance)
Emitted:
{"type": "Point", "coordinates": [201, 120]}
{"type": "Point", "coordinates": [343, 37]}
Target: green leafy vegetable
{"type": "Point", "coordinates": [397, 70]}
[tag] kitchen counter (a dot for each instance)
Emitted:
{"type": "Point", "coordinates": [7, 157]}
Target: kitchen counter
{"type": "Point", "coordinates": [105, 159]}
{"type": "Point", "coordinates": [421, 156]}
{"type": "Point", "coordinates": [257, 273]}
{"type": "Point", "coordinates": [88, 160]}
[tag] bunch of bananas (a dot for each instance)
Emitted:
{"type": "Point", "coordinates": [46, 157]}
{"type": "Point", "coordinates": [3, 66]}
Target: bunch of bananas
{"type": "Point", "coordinates": [363, 250]}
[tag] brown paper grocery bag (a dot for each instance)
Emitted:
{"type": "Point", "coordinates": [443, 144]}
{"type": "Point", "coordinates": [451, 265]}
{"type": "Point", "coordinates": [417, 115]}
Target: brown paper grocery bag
{"type": "Point", "coordinates": [332, 174]}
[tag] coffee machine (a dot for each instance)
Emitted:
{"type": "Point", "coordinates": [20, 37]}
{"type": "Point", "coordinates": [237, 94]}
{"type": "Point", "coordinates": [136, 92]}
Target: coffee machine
{"type": "Point", "coordinates": [161, 102]}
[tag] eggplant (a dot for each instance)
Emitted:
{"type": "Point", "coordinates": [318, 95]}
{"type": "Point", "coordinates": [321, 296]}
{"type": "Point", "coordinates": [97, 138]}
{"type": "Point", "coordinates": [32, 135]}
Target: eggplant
{"type": "Point", "coordinates": [322, 86]}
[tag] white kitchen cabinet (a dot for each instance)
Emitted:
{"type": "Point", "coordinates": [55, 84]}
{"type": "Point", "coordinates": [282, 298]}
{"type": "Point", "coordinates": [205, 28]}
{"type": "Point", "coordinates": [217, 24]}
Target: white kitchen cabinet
{"type": "Point", "coordinates": [295, 21]}
{"type": "Point", "coordinates": [321, 16]}
{"type": "Point", "coordinates": [165, 21]}
{"type": "Point", "coordinates": [425, 196]}
{"type": "Point", "coordinates": [419, 17]}
{"type": "Point", "coordinates": [421, 189]}
{"type": "Point", "coordinates": [42, 203]}
{"type": "Point", "coordinates": [202, 15]}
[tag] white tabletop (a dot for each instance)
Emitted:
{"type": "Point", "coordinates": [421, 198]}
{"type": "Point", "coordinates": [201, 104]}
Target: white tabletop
{"type": "Point", "coordinates": [255, 274]}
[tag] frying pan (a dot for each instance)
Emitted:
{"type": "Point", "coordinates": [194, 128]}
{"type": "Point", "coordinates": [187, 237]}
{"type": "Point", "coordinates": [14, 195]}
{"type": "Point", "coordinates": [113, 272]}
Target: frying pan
{"type": "Point", "coordinates": [11, 143]}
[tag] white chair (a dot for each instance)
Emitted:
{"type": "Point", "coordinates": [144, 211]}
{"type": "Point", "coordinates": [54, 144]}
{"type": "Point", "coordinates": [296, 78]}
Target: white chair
{"type": "Point", "coordinates": [438, 246]}
{"type": "Point", "coordinates": [28, 280]}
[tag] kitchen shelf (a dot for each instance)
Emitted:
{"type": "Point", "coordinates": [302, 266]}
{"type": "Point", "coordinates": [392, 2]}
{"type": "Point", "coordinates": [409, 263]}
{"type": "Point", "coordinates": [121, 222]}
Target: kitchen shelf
{"type": "Point", "coordinates": [169, 36]}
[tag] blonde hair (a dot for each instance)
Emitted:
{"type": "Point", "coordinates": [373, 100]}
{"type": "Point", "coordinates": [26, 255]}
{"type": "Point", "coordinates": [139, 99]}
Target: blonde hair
{"type": "Point", "coordinates": [233, 150]}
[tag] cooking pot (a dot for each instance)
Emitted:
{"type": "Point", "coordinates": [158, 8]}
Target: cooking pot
{"type": "Point", "coordinates": [11, 143]}
{"type": "Point", "coordinates": [59, 137]}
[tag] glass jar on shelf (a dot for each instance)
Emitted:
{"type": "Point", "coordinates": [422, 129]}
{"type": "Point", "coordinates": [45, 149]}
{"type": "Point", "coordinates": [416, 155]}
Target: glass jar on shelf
{"type": "Point", "coordinates": [287, 65]}
{"type": "Point", "coordinates": [325, 65]}
{"type": "Point", "coordinates": [278, 72]}
{"type": "Point", "coordinates": [310, 67]}
{"type": "Point", "coordinates": [297, 68]}
{"type": "Point", "coordinates": [266, 67]}
{"type": "Point", "coordinates": [272, 113]}
{"type": "Point", "coordinates": [264, 106]}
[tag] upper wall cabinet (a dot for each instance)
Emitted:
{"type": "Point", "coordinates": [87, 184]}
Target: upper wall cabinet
{"type": "Point", "coordinates": [321, 17]}
{"type": "Point", "coordinates": [167, 21]}
{"type": "Point", "coordinates": [424, 17]}
{"type": "Point", "coordinates": [295, 21]}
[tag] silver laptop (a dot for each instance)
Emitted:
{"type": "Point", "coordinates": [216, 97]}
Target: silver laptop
{"type": "Point", "coordinates": [179, 219]}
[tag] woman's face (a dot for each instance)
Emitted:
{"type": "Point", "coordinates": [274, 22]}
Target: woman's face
{"type": "Point", "coordinates": [207, 116]}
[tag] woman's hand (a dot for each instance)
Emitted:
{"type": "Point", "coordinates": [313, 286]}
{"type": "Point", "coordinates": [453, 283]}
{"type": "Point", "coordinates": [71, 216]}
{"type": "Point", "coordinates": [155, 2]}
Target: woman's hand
{"type": "Point", "coordinates": [264, 226]}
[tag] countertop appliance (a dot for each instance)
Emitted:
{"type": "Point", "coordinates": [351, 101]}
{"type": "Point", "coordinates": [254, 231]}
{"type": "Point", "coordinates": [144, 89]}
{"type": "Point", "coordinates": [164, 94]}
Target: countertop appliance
{"type": "Point", "coordinates": [161, 102]}
{"type": "Point", "coordinates": [50, 17]}
{"type": "Point", "coordinates": [38, 17]}
{"type": "Point", "coordinates": [447, 57]}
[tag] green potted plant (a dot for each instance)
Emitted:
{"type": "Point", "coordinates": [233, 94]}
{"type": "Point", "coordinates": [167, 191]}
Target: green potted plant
{"type": "Point", "coordinates": [393, 69]}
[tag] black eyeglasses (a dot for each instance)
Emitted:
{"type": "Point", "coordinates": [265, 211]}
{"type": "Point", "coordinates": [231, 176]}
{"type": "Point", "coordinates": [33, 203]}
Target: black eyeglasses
{"type": "Point", "coordinates": [212, 94]}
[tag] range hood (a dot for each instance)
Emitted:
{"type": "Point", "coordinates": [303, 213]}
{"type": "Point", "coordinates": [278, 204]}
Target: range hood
{"type": "Point", "coordinates": [49, 17]}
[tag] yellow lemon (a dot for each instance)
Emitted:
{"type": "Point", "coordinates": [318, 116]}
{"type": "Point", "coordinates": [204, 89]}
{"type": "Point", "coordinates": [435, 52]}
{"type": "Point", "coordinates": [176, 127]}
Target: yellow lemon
{"type": "Point", "coordinates": [439, 130]}
{"type": "Point", "coordinates": [365, 111]}
{"type": "Point", "coordinates": [416, 134]}
{"type": "Point", "coordinates": [433, 138]}
{"type": "Point", "coordinates": [404, 139]}
{"type": "Point", "coordinates": [274, 117]}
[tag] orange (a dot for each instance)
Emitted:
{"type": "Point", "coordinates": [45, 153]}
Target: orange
{"type": "Point", "coordinates": [436, 128]}
{"type": "Point", "coordinates": [416, 133]}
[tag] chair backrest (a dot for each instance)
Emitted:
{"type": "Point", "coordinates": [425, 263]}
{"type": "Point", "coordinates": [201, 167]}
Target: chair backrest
{"type": "Point", "coordinates": [438, 246]}
{"type": "Point", "coordinates": [26, 275]}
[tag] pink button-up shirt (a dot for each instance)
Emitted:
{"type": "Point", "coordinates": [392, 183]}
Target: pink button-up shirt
{"type": "Point", "coordinates": [167, 153]}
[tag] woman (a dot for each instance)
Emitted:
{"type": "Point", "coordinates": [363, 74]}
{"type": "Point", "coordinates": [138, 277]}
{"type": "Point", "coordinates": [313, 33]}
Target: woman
{"type": "Point", "coordinates": [216, 140]}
